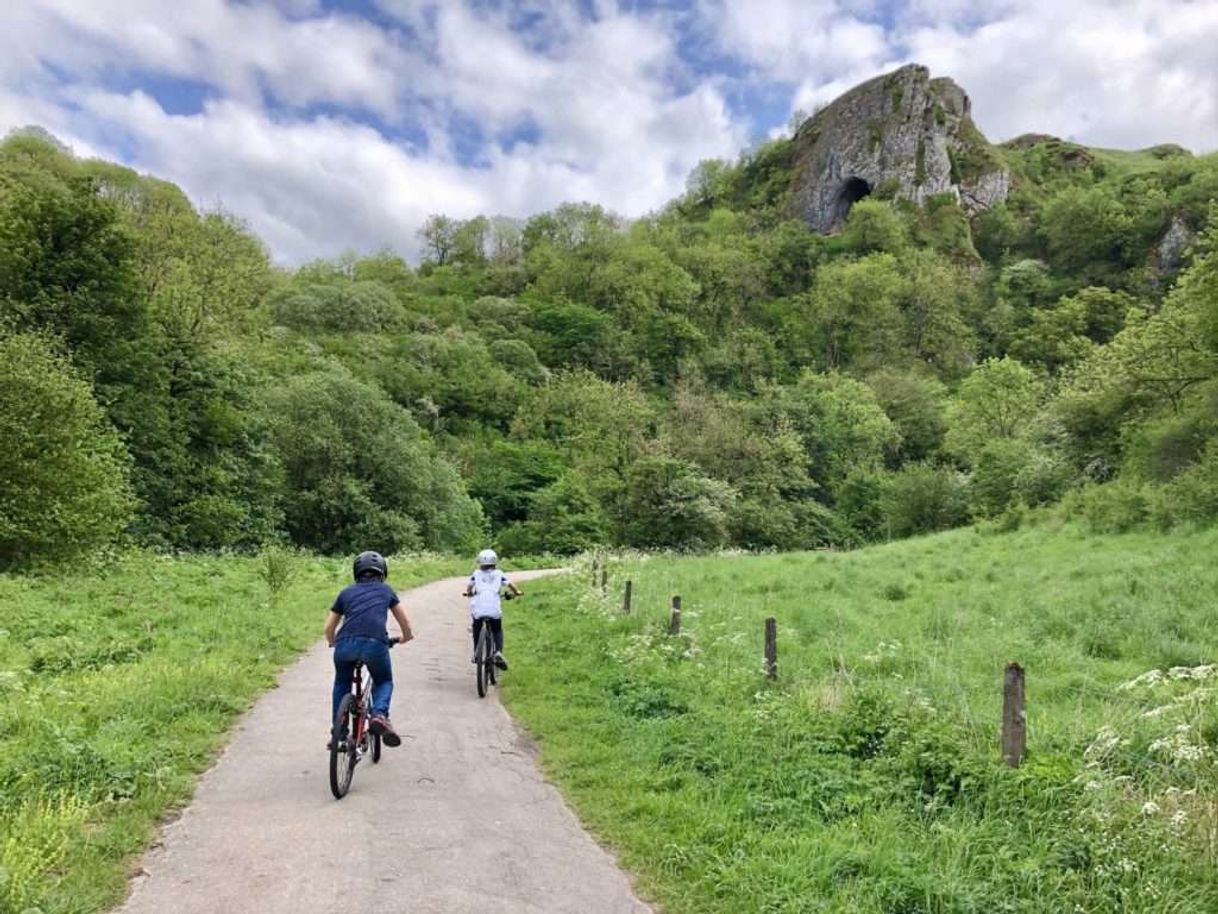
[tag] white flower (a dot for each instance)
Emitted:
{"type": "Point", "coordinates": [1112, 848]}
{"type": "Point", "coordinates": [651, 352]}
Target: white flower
{"type": "Point", "coordinates": [1150, 808]}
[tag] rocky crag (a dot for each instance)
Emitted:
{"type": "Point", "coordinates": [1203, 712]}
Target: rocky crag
{"type": "Point", "coordinates": [898, 136]}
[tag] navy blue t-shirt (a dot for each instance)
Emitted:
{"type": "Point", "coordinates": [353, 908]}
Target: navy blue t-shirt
{"type": "Point", "coordinates": [364, 607]}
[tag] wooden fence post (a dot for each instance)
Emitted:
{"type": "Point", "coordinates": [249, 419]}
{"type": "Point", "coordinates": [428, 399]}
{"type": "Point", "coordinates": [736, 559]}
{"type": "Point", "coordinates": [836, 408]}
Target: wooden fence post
{"type": "Point", "coordinates": [1014, 717]}
{"type": "Point", "coordinates": [771, 648]}
{"type": "Point", "coordinates": [626, 598]}
{"type": "Point", "coordinates": [674, 622]}
{"type": "Point", "coordinates": [604, 579]}
{"type": "Point", "coordinates": [595, 562]}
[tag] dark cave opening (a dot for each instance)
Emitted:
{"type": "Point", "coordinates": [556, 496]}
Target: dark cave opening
{"type": "Point", "coordinates": [854, 190]}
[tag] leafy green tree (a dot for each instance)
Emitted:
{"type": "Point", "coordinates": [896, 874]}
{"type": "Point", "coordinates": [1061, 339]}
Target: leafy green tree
{"type": "Point", "coordinates": [63, 470]}
{"type": "Point", "coordinates": [999, 400]}
{"type": "Point", "coordinates": [917, 406]}
{"type": "Point", "coordinates": [874, 226]}
{"type": "Point", "coordinates": [854, 311]}
{"type": "Point", "coordinates": [439, 237]}
{"type": "Point", "coordinates": [360, 472]}
{"type": "Point", "coordinates": [564, 518]}
{"type": "Point", "coordinates": [935, 299]}
{"type": "Point", "coordinates": [1086, 228]}
{"type": "Point", "coordinates": [669, 503]}
{"type": "Point", "coordinates": [924, 498]}
{"type": "Point", "coordinates": [364, 307]}
{"type": "Point", "coordinates": [840, 422]}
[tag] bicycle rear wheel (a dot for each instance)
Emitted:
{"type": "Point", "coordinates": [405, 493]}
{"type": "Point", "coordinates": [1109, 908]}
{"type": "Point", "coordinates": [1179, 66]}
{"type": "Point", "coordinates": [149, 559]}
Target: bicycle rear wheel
{"type": "Point", "coordinates": [342, 748]}
{"type": "Point", "coordinates": [376, 748]}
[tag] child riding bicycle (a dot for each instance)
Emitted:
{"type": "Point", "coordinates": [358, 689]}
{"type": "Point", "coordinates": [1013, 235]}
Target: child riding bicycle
{"type": "Point", "coordinates": [363, 608]}
{"type": "Point", "coordinates": [483, 590]}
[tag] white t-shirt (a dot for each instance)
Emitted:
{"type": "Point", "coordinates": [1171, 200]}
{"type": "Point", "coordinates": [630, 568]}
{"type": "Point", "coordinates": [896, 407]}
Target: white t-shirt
{"type": "Point", "coordinates": [486, 586]}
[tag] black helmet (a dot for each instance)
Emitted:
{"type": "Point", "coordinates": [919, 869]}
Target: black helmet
{"type": "Point", "coordinates": [370, 561]}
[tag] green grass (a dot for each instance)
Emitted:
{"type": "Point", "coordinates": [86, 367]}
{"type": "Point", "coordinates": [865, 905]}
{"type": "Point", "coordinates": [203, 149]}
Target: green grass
{"type": "Point", "coordinates": [868, 778]}
{"type": "Point", "coordinates": [116, 691]}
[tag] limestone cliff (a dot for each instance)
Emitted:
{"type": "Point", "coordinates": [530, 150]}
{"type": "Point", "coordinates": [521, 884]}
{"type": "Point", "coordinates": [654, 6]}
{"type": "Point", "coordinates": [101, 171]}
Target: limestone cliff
{"type": "Point", "coordinates": [903, 135]}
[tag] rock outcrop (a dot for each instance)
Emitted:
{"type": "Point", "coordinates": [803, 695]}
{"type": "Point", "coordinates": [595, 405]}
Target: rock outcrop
{"type": "Point", "coordinates": [903, 135]}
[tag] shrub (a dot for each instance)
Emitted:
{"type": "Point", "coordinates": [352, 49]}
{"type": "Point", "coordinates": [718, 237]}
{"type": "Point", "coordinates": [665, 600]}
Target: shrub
{"type": "Point", "coordinates": [924, 498]}
{"type": "Point", "coordinates": [1192, 497]}
{"type": "Point", "coordinates": [1115, 507]}
{"type": "Point", "coordinates": [361, 473]}
{"type": "Point", "coordinates": [63, 469]}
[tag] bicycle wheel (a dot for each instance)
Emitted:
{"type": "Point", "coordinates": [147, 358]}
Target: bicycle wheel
{"type": "Point", "coordinates": [376, 748]}
{"type": "Point", "coordinates": [482, 661]}
{"type": "Point", "coordinates": [342, 748]}
{"type": "Point", "coordinates": [491, 670]}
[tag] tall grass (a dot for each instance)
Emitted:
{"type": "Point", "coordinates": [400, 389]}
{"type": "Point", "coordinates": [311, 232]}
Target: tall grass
{"type": "Point", "coordinates": [116, 690]}
{"type": "Point", "coordinates": [868, 778]}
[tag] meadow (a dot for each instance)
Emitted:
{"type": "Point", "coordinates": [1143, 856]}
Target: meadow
{"type": "Point", "coordinates": [867, 777]}
{"type": "Point", "coordinates": [117, 687]}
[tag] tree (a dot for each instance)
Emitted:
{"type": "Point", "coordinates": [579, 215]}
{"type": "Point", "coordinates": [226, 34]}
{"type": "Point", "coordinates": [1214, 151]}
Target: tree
{"type": "Point", "coordinates": [669, 503]}
{"type": "Point", "coordinates": [63, 470]}
{"type": "Point", "coordinates": [439, 236]}
{"type": "Point", "coordinates": [853, 309]}
{"type": "Point", "coordinates": [998, 400]}
{"type": "Point", "coordinates": [360, 473]}
{"type": "Point", "coordinates": [874, 226]}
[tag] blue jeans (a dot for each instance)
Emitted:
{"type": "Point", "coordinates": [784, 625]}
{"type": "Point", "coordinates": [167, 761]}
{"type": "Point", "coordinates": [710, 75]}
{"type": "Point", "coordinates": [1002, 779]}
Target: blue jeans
{"type": "Point", "coordinates": [375, 655]}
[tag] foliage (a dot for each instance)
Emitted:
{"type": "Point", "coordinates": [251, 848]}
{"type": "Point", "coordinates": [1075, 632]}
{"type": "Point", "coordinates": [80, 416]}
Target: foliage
{"type": "Point", "coordinates": [360, 473]}
{"type": "Point", "coordinates": [64, 491]}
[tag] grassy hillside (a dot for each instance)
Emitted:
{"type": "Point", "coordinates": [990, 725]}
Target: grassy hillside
{"type": "Point", "coordinates": [117, 689]}
{"type": "Point", "coordinates": [868, 777]}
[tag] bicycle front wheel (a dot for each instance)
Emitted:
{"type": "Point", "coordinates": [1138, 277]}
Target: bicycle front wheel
{"type": "Point", "coordinates": [342, 748]}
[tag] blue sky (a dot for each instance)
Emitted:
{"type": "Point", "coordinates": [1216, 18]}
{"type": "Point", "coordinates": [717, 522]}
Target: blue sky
{"type": "Point", "coordinates": [337, 124]}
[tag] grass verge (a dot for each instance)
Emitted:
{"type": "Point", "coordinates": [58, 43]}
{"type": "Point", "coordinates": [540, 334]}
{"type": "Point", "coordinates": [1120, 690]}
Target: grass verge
{"type": "Point", "coordinates": [868, 778]}
{"type": "Point", "coordinates": [116, 690]}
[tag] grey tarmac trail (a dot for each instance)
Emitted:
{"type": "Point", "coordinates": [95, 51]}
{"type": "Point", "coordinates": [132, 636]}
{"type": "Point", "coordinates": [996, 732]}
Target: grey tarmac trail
{"type": "Point", "coordinates": [457, 819]}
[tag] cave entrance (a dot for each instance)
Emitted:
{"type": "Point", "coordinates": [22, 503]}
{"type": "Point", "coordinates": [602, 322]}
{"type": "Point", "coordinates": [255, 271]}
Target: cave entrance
{"type": "Point", "coordinates": [854, 190]}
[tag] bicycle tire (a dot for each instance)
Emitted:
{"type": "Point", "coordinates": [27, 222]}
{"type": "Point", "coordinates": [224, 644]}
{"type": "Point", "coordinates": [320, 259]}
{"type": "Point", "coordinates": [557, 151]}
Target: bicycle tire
{"type": "Point", "coordinates": [482, 662]}
{"type": "Point", "coordinates": [492, 672]}
{"type": "Point", "coordinates": [376, 748]}
{"type": "Point", "coordinates": [342, 751]}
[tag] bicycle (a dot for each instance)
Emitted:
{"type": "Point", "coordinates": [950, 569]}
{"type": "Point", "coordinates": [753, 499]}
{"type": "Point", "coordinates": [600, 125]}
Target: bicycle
{"type": "Point", "coordinates": [485, 668]}
{"type": "Point", "coordinates": [351, 738]}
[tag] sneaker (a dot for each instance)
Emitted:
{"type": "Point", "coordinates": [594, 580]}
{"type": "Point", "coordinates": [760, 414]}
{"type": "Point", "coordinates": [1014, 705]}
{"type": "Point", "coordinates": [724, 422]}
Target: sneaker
{"type": "Point", "coordinates": [381, 727]}
{"type": "Point", "coordinates": [500, 661]}
{"type": "Point", "coordinates": [342, 743]}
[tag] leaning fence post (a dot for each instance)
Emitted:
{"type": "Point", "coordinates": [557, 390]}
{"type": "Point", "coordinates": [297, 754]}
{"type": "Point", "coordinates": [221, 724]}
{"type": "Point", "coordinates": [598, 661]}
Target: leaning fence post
{"type": "Point", "coordinates": [626, 598]}
{"type": "Point", "coordinates": [1014, 717]}
{"type": "Point", "coordinates": [771, 648]}
{"type": "Point", "coordinates": [674, 622]}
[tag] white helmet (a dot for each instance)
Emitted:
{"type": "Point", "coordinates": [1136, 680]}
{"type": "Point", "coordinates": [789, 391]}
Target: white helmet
{"type": "Point", "coordinates": [488, 557]}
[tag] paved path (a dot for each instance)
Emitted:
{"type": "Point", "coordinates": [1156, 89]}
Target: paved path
{"type": "Point", "coordinates": [457, 819]}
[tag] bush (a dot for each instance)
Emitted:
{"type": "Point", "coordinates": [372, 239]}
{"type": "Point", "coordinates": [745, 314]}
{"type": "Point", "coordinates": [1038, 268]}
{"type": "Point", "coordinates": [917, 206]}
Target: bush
{"type": "Point", "coordinates": [925, 498]}
{"type": "Point", "coordinates": [1190, 498]}
{"type": "Point", "coordinates": [564, 518]}
{"type": "Point", "coordinates": [1115, 507]}
{"type": "Point", "coordinates": [63, 469]}
{"type": "Point", "coordinates": [361, 473]}
{"type": "Point", "coordinates": [670, 503]}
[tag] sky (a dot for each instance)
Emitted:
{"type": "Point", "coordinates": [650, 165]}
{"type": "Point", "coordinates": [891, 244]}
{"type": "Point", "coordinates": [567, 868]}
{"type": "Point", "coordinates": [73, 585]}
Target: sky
{"type": "Point", "coordinates": [333, 125]}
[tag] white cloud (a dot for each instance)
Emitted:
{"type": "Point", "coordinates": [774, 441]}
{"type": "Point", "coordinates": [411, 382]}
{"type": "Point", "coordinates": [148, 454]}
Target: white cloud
{"type": "Point", "coordinates": [616, 115]}
{"type": "Point", "coordinates": [1107, 74]}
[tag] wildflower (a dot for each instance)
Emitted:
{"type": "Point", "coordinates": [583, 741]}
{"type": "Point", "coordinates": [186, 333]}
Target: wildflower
{"type": "Point", "coordinates": [1150, 808]}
